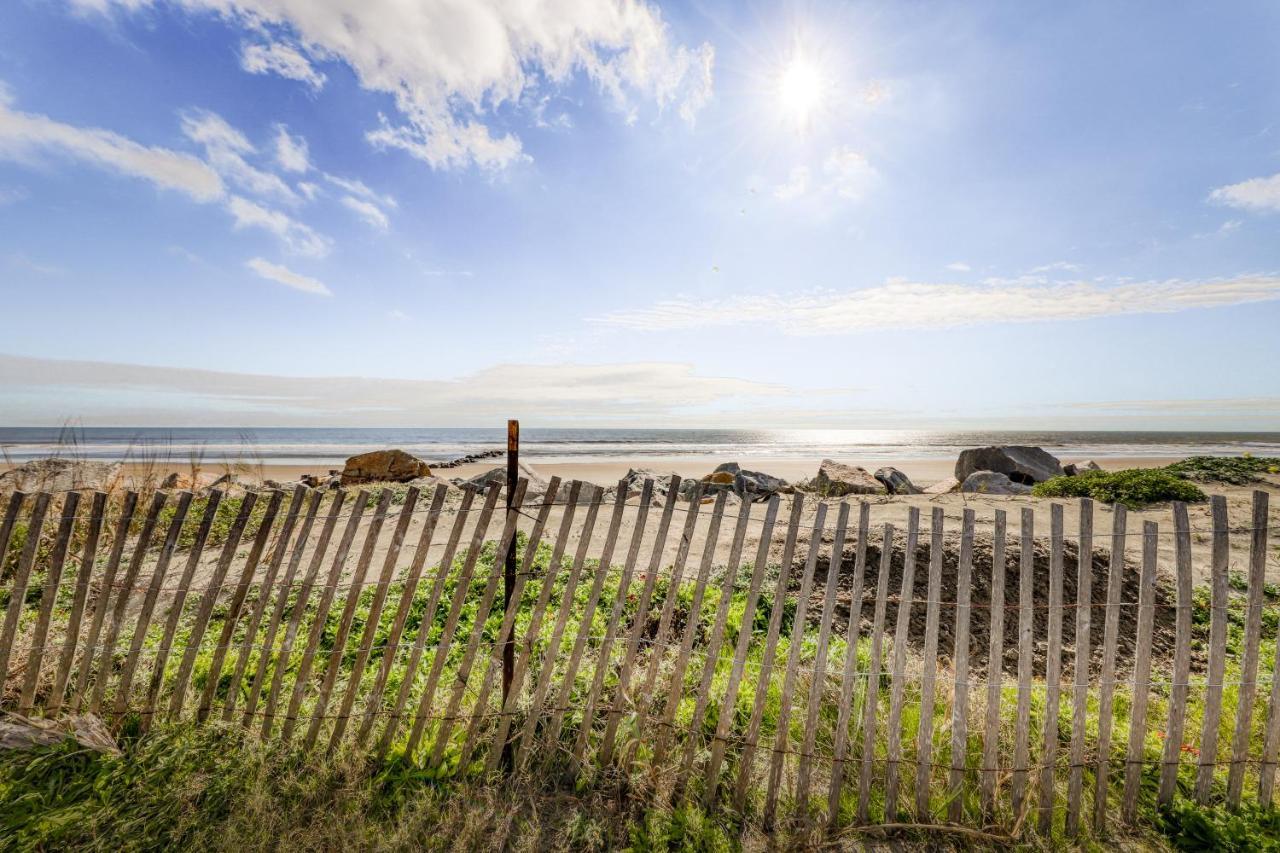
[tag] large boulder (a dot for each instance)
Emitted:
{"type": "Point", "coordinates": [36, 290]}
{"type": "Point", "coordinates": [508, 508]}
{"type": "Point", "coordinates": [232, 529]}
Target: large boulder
{"type": "Point", "coordinates": [536, 490]}
{"type": "Point", "coordinates": [993, 483]}
{"type": "Point", "coordinates": [384, 466]}
{"type": "Point", "coordinates": [943, 487]}
{"type": "Point", "coordinates": [1025, 465]}
{"type": "Point", "coordinates": [60, 475]}
{"type": "Point", "coordinates": [836, 479]}
{"type": "Point", "coordinates": [896, 482]}
{"type": "Point", "coordinates": [749, 485]}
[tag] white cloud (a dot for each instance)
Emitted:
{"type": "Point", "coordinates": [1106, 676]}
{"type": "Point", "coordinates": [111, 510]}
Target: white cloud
{"type": "Point", "coordinates": [21, 261]}
{"type": "Point", "coordinates": [797, 184]}
{"type": "Point", "coordinates": [360, 189]}
{"type": "Point", "coordinates": [283, 59]}
{"type": "Point", "coordinates": [899, 304]}
{"type": "Point", "coordinates": [450, 65]}
{"type": "Point", "coordinates": [959, 266]}
{"type": "Point", "coordinates": [291, 151]}
{"type": "Point", "coordinates": [310, 190]}
{"type": "Point", "coordinates": [848, 173]}
{"type": "Point", "coordinates": [1257, 194]}
{"type": "Point", "coordinates": [26, 136]}
{"type": "Point", "coordinates": [225, 148]}
{"type": "Point", "coordinates": [1056, 266]}
{"type": "Point", "coordinates": [398, 315]}
{"type": "Point", "coordinates": [368, 211]}
{"type": "Point", "coordinates": [287, 277]}
{"type": "Point", "coordinates": [296, 236]}
{"type": "Point", "coordinates": [12, 195]}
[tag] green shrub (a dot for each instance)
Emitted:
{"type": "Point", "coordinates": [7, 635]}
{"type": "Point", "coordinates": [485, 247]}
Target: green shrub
{"type": "Point", "coordinates": [1236, 470]}
{"type": "Point", "coordinates": [1133, 487]}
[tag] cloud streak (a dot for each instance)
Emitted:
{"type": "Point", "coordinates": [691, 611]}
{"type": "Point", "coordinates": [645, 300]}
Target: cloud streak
{"type": "Point", "coordinates": [1256, 194]}
{"type": "Point", "coordinates": [283, 275]}
{"type": "Point", "coordinates": [900, 304]}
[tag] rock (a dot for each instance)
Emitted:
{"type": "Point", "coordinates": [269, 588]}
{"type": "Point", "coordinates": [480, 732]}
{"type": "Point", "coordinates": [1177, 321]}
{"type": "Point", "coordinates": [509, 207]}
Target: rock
{"type": "Point", "coordinates": [537, 488]}
{"type": "Point", "coordinates": [383, 466]}
{"type": "Point", "coordinates": [720, 478]}
{"type": "Point", "coordinates": [1025, 465]}
{"type": "Point", "coordinates": [896, 482]}
{"type": "Point", "coordinates": [172, 481]}
{"type": "Point", "coordinates": [469, 458]}
{"type": "Point", "coordinates": [59, 475]}
{"type": "Point", "coordinates": [943, 487]}
{"type": "Point", "coordinates": [993, 483]}
{"type": "Point", "coordinates": [19, 732]}
{"type": "Point", "coordinates": [836, 479]}
{"type": "Point", "coordinates": [1074, 468]}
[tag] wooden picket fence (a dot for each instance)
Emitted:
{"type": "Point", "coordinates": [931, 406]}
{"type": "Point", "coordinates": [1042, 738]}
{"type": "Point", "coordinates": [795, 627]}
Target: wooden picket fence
{"type": "Point", "coordinates": [751, 683]}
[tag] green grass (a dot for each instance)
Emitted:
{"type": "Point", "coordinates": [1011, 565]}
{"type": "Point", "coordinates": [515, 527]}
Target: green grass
{"type": "Point", "coordinates": [1236, 470]}
{"type": "Point", "coordinates": [1134, 487]}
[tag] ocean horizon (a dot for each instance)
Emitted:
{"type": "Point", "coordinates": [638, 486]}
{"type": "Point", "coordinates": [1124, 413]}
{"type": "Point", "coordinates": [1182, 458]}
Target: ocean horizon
{"type": "Point", "coordinates": [331, 445]}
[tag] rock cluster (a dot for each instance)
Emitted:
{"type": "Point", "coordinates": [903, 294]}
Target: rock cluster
{"type": "Point", "coordinates": [1021, 464]}
{"type": "Point", "coordinates": [468, 459]}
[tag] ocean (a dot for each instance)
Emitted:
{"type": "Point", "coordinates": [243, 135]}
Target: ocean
{"type": "Point", "coordinates": [330, 446]}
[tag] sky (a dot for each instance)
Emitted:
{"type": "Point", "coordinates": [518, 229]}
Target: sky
{"type": "Point", "coordinates": [616, 213]}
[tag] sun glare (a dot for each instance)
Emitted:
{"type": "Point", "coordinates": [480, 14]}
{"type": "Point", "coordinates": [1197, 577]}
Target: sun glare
{"type": "Point", "coordinates": [800, 89]}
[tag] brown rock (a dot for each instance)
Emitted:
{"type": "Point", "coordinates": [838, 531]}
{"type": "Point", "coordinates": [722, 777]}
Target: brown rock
{"type": "Point", "coordinates": [384, 466]}
{"type": "Point", "coordinates": [836, 479]}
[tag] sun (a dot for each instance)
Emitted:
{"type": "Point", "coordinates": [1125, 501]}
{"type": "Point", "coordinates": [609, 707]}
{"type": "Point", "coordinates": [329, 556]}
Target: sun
{"type": "Point", "coordinates": [801, 89]}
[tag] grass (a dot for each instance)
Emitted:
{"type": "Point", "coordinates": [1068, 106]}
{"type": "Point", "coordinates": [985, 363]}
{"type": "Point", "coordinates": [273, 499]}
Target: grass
{"type": "Point", "coordinates": [1236, 470]}
{"type": "Point", "coordinates": [1134, 487]}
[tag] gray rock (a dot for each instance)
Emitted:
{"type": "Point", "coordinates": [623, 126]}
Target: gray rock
{"type": "Point", "coordinates": [58, 475]}
{"type": "Point", "coordinates": [896, 482]}
{"type": "Point", "coordinates": [943, 487]}
{"type": "Point", "coordinates": [1074, 468]}
{"type": "Point", "coordinates": [1025, 465]}
{"type": "Point", "coordinates": [993, 483]}
{"type": "Point", "coordinates": [836, 479]}
{"type": "Point", "coordinates": [537, 488]}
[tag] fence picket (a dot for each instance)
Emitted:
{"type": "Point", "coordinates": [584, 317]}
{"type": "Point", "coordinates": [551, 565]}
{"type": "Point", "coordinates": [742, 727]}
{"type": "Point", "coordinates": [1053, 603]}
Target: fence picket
{"type": "Point", "coordinates": [871, 699]}
{"type": "Point", "coordinates": [1271, 737]}
{"type": "Point", "coordinates": [10, 519]}
{"type": "Point", "coordinates": [176, 605]}
{"type": "Point", "coordinates": [88, 556]}
{"type": "Point", "coordinates": [729, 702]}
{"type": "Point", "coordinates": [1252, 642]}
{"type": "Point", "coordinates": [1081, 656]}
{"type": "Point", "coordinates": [391, 651]}
{"type": "Point", "coordinates": [1022, 745]}
{"type": "Point", "coordinates": [1052, 673]}
{"type": "Point", "coordinates": [1217, 650]}
{"type": "Point", "coordinates": [849, 677]}
{"type": "Point", "coordinates": [53, 575]}
{"type": "Point", "coordinates": [1181, 657]}
{"type": "Point", "coordinates": [22, 575]}
{"type": "Point", "coordinates": [746, 762]}
{"type": "Point", "coordinates": [898, 664]}
{"type": "Point", "coordinates": [1141, 672]}
{"type": "Point", "coordinates": [924, 734]}
{"type": "Point", "coordinates": [1107, 675]}
{"type": "Point", "coordinates": [149, 602]}
{"type": "Point", "coordinates": [794, 642]}
{"type": "Point", "coordinates": [995, 668]}
{"type": "Point", "coordinates": [960, 662]}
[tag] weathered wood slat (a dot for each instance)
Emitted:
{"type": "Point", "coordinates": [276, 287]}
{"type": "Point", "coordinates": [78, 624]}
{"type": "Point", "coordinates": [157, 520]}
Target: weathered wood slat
{"type": "Point", "coordinates": [124, 688]}
{"type": "Point", "coordinates": [1141, 672]}
{"type": "Point", "coordinates": [101, 605]}
{"type": "Point", "coordinates": [124, 593]}
{"type": "Point", "coordinates": [373, 621]}
{"type": "Point", "coordinates": [1181, 657]}
{"type": "Point", "coordinates": [746, 762]}
{"type": "Point", "coordinates": [1252, 642]}
{"type": "Point", "coordinates": [849, 677]}
{"type": "Point", "coordinates": [463, 674]}
{"type": "Point", "coordinates": [1107, 675]}
{"type": "Point", "coordinates": [1082, 655]}
{"type": "Point", "coordinates": [282, 590]}
{"type": "Point", "coordinates": [412, 578]}
{"type": "Point", "coordinates": [665, 732]}
{"type": "Point", "coordinates": [960, 658]}
{"type": "Point", "coordinates": [603, 654]}
{"type": "Point", "coordinates": [1053, 674]}
{"type": "Point", "coordinates": [526, 645]}
{"type": "Point", "coordinates": [569, 679]}
{"type": "Point", "coordinates": [928, 682]}
{"type": "Point", "coordinates": [428, 621]}
{"type": "Point", "coordinates": [52, 577]}
{"type": "Point", "coordinates": [174, 615]}
{"type": "Point", "coordinates": [898, 664]}
{"type": "Point", "coordinates": [21, 580]}
{"type": "Point", "coordinates": [702, 697]}
{"type": "Point", "coordinates": [75, 620]}
{"type": "Point", "coordinates": [796, 639]}
{"type": "Point", "coordinates": [995, 669]}
{"type": "Point", "coordinates": [818, 682]}
{"type": "Point", "coordinates": [871, 699]}
{"type": "Point", "coordinates": [12, 508]}
{"type": "Point", "coordinates": [295, 617]}
{"type": "Point", "coordinates": [235, 605]}
{"type": "Point", "coordinates": [547, 665]}
{"type": "Point", "coordinates": [1218, 624]}
{"type": "Point", "coordinates": [1271, 738]}
{"type": "Point", "coordinates": [729, 702]}
{"type": "Point", "coordinates": [632, 647]}
{"type": "Point", "coordinates": [355, 587]}
{"type": "Point", "coordinates": [1022, 744]}
{"type": "Point", "coordinates": [265, 589]}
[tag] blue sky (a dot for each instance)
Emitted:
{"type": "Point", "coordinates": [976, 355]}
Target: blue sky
{"type": "Point", "coordinates": [254, 212]}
